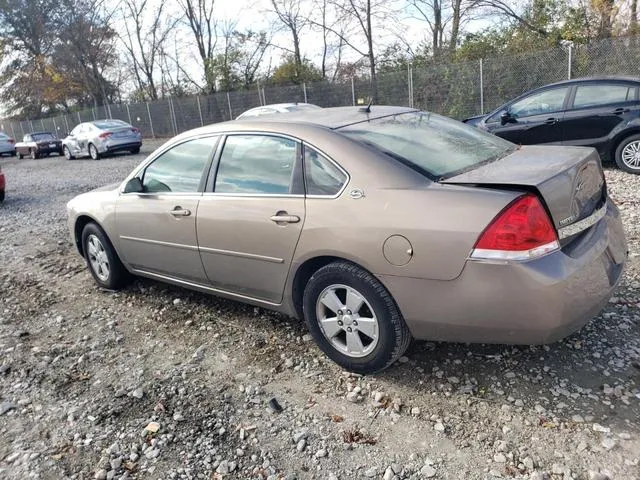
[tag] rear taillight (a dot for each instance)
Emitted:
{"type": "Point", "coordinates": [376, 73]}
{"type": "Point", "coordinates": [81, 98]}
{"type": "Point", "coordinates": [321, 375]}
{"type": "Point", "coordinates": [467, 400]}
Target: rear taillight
{"type": "Point", "coordinates": [11, 140]}
{"type": "Point", "coordinates": [105, 134]}
{"type": "Point", "coordinates": [522, 231]}
{"type": "Point", "coordinates": [135, 130]}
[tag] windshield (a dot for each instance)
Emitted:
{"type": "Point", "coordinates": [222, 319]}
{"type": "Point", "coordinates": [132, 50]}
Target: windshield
{"type": "Point", "coordinates": [431, 144]}
{"type": "Point", "coordinates": [110, 124]}
{"type": "Point", "coordinates": [42, 136]}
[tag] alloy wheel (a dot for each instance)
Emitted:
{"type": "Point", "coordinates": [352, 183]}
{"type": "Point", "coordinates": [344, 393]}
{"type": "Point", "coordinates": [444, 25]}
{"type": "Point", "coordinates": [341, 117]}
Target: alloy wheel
{"type": "Point", "coordinates": [347, 320]}
{"type": "Point", "coordinates": [93, 151]}
{"type": "Point", "coordinates": [98, 258]}
{"type": "Point", "coordinates": [631, 155]}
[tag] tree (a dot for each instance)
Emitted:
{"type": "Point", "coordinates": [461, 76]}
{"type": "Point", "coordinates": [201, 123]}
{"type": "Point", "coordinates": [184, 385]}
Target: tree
{"type": "Point", "coordinates": [290, 72]}
{"type": "Point", "coordinates": [200, 19]}
{"type": "Point", "coordinates": [147, 28]}
{"type": "Point", "coordinates": [290, 15]}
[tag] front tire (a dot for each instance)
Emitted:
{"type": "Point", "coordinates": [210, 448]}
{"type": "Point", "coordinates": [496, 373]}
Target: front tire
{"type": "Point", "coordinates": [353, 318]}
{"type": "Point", "coordinates": [102, 259]}
{"type": "Point", "coordinates": [19, 156]}
{"type": "Point", "coordinates": [93, 152]}
{"type": "Point", "coordinates": [628, 154]}
{"type": "Point", "coordinates": [1, 196]}
{"type": "Point", "coordinates": [33, 154]}
{"type": "Point", "coordinates": [67, 153]}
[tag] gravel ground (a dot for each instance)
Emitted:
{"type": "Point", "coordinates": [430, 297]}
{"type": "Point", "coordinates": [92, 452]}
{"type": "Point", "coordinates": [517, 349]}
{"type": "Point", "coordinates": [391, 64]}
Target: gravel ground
{"type": "Point", "coordinates": [160, 382]}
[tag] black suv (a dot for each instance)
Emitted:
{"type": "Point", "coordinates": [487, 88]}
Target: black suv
{"type": "Point", "coordinates": [603, 113]}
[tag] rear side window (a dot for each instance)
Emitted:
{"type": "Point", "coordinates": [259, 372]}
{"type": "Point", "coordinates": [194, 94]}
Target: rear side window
{"type": "Point", "coordinates": [603, 94]}
{"type": "Point", "coordinates": [179, 169]}
{"type": "Point", "coordinates": [428, 143]}
{"type": "Point", "coordinates": [258, 164]}
{"type": "Point", "coordinates": [321, 176]}
{"type": "Point", "coordinates": [110, 124]}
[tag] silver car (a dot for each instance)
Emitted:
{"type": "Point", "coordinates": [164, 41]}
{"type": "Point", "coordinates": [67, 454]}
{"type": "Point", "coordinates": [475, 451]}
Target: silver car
{"type": "Point", "coordinates": [277, 108]}
{"type": "Point", "coordinates": [101, 137]}
{"type": "Point", "coordinates": [7, 145]}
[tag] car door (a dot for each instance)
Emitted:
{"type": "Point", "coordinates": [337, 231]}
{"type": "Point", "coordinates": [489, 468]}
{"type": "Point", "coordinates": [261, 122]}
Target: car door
{"type": "Point", "coordinates": [596, 109]}
{"type": "Point", "coordinates": [533, 119]}
{"type": "Point", "coordinates": [157, 227]}
{"type": "Point", "coordinates": [73, 139]}
{"type": "Point", "coordinates": [250, 219]}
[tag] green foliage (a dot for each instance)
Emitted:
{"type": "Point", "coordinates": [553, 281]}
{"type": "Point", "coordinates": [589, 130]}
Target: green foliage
{"type": "Point", "coordinates": [290, 72]}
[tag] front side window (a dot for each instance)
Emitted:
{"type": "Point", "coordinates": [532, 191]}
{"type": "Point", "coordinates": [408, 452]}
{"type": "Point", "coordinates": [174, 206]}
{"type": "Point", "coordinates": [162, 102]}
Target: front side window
{"type": "Point", "coordinates": [602, 94]}
{"type": "Point", "coordinates": [258, 164]}
{"type": "Point", "coordinates": [179, 170]}
{"type": "Point", "coordinates": [539, 103]}
{"type": "Point", "coordinates": [433, 145]}
{"type": "Point", "coordinates": [321, 176]}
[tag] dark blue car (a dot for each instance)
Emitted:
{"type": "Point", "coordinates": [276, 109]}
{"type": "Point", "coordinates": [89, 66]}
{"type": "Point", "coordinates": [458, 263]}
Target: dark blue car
{"type": "Point", "coordinates": [603, 113]}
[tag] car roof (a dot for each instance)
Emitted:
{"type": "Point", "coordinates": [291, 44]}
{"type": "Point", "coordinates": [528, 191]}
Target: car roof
{"type": "Point", "coordinates": [332, 118]}
{"type": "Point", "coordinates": [39, 133]}
{"type": "Point", "coordinates": [601, 78]}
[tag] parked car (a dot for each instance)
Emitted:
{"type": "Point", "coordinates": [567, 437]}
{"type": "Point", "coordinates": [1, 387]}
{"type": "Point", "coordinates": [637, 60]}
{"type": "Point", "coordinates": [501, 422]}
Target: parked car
{"type": "Point", "coordinates": [374, 226]}
{"type": "Point", "coordinates": [101, 137]}
{"type": "Point", "coordinates": [277, 108]}
{"type": "Point", "coordinates": [603, 113]}
{"type": "Point", "coordinates": [2, 185]}
{"type": "Point", "coordinates": [7, 145]}
{"type": "Point", "coordinates": [38, 144]}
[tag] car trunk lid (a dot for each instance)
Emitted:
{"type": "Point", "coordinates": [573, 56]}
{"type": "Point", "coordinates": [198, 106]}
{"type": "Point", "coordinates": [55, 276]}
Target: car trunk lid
{"type": "Point", "coordinates": [569, 180]}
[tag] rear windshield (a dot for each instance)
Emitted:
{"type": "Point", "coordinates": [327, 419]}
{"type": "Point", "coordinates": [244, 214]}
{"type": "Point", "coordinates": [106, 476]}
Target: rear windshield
{"type": "Point", "coordinates": [435, 146]}
{"type": "Point", "coordinates": [42, 136]}
{"type": "Point", "coordinates": [110, 124]}
{"type": "Point", "coordinates": [297, 108]}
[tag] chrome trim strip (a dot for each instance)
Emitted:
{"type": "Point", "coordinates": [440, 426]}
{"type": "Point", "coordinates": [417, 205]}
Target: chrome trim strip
{"type": "Point", "coordinates": [203, 287]}
{"type": "Point", "coordinates": [583, 224]}
{"type": "Point", "coordinates": [158, 242]}
{"type": "Point", "coordinates": [252, 195]}
{"type": "Point", "coordinates": [251, 256]}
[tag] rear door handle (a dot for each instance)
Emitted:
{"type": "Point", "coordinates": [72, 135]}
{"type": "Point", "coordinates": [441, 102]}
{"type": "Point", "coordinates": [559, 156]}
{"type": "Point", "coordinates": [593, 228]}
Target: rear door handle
{"type": "Point", "coordinates": [551, 121]}
{"type": "Point", "coordinates": [620, 110]}
{"type": "Point", "coordinates": [180, 212]}
{"type": "Point", "coordinates": [284, 217]}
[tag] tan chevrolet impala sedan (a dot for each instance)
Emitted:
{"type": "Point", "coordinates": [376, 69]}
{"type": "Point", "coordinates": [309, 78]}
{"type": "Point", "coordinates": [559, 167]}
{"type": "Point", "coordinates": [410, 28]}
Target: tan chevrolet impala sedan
{"type": "Point", "coordinates": [374, 225]}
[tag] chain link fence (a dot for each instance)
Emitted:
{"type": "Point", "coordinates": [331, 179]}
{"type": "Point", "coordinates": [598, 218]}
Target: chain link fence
{"type": "Point", "coordinates": [458, 90]}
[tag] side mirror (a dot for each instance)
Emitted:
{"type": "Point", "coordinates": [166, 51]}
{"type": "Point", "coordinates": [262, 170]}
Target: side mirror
{"type": "Point", "coordinates": [506, 117]}
{"type": "Point", "coordinates": [134, 186]}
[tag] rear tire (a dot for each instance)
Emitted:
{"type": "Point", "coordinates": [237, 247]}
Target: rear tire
{"type": "Point", "coordinates": [363, 331]}
{"type": "Point", "coordinates": [135, 151]}
{"type": "Point", "coordinates": [33, 154]}
{"type": "Point", "coordinates": [102, 259]}
{"type": "Point", "coordinates": [67, 153]}
{"type": "Point", "coordinates": [93, 152]}
{"type": "Point", "coordinates": [1, 196]}
{"type": "Point", "coordinates": [19, 156]}
{"type": "Point", "coordinates": [628, 154]}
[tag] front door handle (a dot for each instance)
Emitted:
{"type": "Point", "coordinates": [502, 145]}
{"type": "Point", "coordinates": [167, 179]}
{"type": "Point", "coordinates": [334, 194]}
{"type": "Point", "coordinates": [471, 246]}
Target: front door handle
{"type": "Point", "coordinates": [620, 110]}
{"type": "Point", "coordinates": [551, 121]}
{"type": "Point", "coordinates": [284, 217]}
{"type": "Point", "coordinates": [180, 212]}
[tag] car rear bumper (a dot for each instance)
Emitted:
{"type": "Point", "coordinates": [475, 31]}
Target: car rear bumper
{"type": "Point", "coordinates": [533, 302]}
{"type": "Point", "coordinates": [119, 147]}
{"type": "Point", "coordinates": [49, 150]}
{"type": "Point", "coordinates": [7, 148]}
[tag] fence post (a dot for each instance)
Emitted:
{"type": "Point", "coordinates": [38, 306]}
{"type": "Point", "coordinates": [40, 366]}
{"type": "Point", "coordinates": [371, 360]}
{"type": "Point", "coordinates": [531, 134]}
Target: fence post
{"type": "Point", "coordinates": [66, 124]}
{"type": "Point", "coordinates": [353, 92]}
{"type": "Point", "coordinates": [93, 112]}
{"type": "Point", "coordinates": [229, 103]}
{"type": "Point", "coordinates": [481, 89]}
{"type": "Point", "coordinates": [200, 111]}
{"type": "Point", "coordinates": [129, 114]}
{"type": "Point", "coordinates": [42, 123]}
{"type": "Point", "coordinates": [31, 125]}
{"type": "Point", "coordinates": [304, 90]}
{"type": "Point", "coordinates": [55, 125]}
{"type": "Point", "coordinates": [13, 130]}
{"type": "Point", "coordinates": [172, 113]}
{"type": "Point", "coordinates": [410, 84]}
{"type": "Point", "coordinates": [79, 119]}
{"type": "Point", "coordinates": [264, 98]}
{"type": "Point", "coordinates": [259, 96]}
{"type": "Point", "coordinates": [570, 61]}
{"type": "Point", "coordinates": [153, 135]}
{"type": "Point", "coordinates": [109, 110]}
{"type": "Point", "coordinates": [21, 128]}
